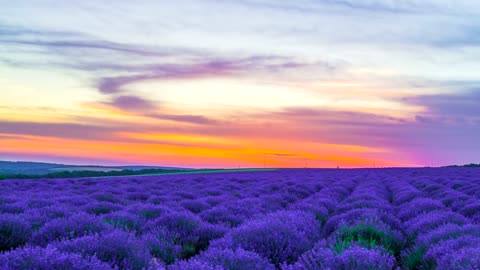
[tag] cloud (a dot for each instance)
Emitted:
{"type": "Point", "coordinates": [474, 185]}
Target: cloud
{"type": "Point", "coordinates": [427, 120]}
{"type": "Point", "coordinates": [378, 5]}
{"type": "Point", "coordinates": [147, 108]}
{"type": "Point", "coordinates": [112, 66]}
{"type": "Point", "coordinates": [211, 67]}
{"type": "Point", "coordinates": [282, 154]}
{"type": "Point", "coordinates": [345, 118]}
{"type": "Point", "coordinates": [448, 108]}
{"type": "Point", "coordinates": [112, 85]}
{"type": "Point", "coordinates": [12, 137]}
{"type": "Point", "coordinates": [437, 135]}
{"type": "Point", "coordinates": [458, 35]}
{"type": "Point", "coordinates": [16, 31]}
{"type": "Point", "coordinates": [74, 41]}
{"type": "Point", "coordinates": [59, 130]}
{"type": "Point", "coordinates": [193, 119]}
{"type": "Point", "coordinates": [385, 6]}
{"type": "Point", "coordinates": [312, 6]}
{"type": "Point", "coordinates": [132, 103]}
{"type": "Point", "coordinates": [108, 132]}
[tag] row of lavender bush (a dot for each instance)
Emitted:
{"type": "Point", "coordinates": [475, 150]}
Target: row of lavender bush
{"type": "Point", "coordinates": [284, 219]}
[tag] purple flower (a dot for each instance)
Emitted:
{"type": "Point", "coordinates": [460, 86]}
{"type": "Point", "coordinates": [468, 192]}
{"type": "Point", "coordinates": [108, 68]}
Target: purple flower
{"type": "Point", "coordinates": [67, 228]}
{"type": "Point", "coordinates": [194, 265]}
{"type": "Point", "coordinates": [280, 237]}
{"type": "Point", "coordinates": [234, 259]}
{"type": "Point", "coordinates": [446, 232]}
{"type": "Point", "coordinates": [117, 248]}
{"type": "Point", "coordinates": [365, 259]}
{"type": "Point", "coordinates": [48, 258]}
{"type": "Point", "coordinates": [14, 231]}
{"type": "Point", "coordinates": [162, 244]}
{"type": "Point", "coordinates": [455, 253]}
{"type": "Point", "coordinates": [319, 257]}
{"type": "Point", "coordinates": [429, 221]}
{"type": "Point", "coordinates": [418, 206]}
{"type": "Point", "coordinates": [124, 220]}
{"type": "Point", "coordinates": [99, 208]}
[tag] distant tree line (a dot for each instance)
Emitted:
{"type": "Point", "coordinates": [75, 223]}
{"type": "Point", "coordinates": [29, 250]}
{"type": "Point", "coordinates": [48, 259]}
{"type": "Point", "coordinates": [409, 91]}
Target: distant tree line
{"type": "Point", "coordinates": [471, 165]}
{"type": "Point", "coordinates": [79, 174]}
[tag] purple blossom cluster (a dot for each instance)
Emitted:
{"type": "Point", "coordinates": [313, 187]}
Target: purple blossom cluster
{"type": "Point", "coordinates": [284, 219]}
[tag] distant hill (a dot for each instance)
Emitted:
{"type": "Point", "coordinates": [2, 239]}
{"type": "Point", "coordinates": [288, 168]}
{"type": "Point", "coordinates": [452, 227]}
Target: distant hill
{"type": "Point", "coordinates": [471, 165]}
{"type": "Point", "coordinates": [40, 168]}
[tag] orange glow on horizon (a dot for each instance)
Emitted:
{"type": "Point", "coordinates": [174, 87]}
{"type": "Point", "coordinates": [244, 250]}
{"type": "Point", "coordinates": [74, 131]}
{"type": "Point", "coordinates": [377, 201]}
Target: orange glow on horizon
{"type": "Point", "coordinates": [185, 156]}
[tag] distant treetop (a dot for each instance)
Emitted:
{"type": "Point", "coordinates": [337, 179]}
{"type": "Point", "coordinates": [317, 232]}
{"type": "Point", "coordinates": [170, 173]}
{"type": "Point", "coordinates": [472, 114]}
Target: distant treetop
{"type": "Point", "coordinates": [471, 165]}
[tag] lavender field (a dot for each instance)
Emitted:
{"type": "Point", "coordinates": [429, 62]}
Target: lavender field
{"type": "Point", "coordinates": [283, 219]}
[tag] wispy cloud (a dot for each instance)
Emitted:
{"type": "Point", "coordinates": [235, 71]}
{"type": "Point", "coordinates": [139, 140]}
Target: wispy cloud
{"type": "Point", "coordinates": [132, 103]}
{"type": "Point", "coordinates": [312, 6]}
{"type": "Point", "coordinates": [51, 40]}
{"type": "Point", "coordinates": [211, 67]}
{"type": "Point", "coordinates": [282, 154]}
{"type": "Point", "coordinates": [11, 137]}
{"type": "Point", "coordinates": [59, 130]}
{"type": "Point", "coordinates": [112, 66]}
{"type": "Point", "coordinates": [373, 6]}
{"type": "Point", "coordinates": [112, 85]}
{"type": "Point", "coordinates": [461, 108]}
{"type": "Point", "coordinates": [193, 119]}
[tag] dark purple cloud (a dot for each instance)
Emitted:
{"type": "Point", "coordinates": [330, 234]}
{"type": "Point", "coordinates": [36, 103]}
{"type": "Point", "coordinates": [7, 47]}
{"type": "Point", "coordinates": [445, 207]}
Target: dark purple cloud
{"type": "Point", "coordinates": [465, 104]}
{"type": "Point", "coordinates": [113, 85]}
{"type": "Point", "coordinates": [132, 103]}
{"type": "Point", "coordinates": [15, 130]}
{"type": "Point", "coordinates": [444, 136]}
{"type": "Point", "coordinates": [428, 120]}
{"type": "Point", "coordinates": [59, 130]}
{"type": "Point", "coordinates": [346, 118]}
{"type": "Point", "coordinates": [151, 109]}
{"type": "Point", "coordinates": [208, 68]}
{"type": "Point", "coordinates": [419, 141]}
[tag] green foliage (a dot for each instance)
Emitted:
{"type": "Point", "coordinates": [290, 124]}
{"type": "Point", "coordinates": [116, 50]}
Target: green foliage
{"type": "Point", "coordinates": [321, 218]}
{"type": "Point", "coordinates": [366, 236]}
{"type": "Point", "coordinates": [80, 174]}
{"type": "Point", "coordinates": [189, 250]}
{"type": "Point", "coordinates": [471, 165]}
{"type": "Point", "coordinates": [2, 177]}
{"type": "Point", "coordinates": [126, 225]}
{"type": "Point", "coordinates": [414, 260]}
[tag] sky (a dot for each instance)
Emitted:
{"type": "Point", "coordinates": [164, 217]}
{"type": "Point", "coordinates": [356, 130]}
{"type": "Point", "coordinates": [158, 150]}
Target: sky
{"type": "Point", "coordinates": [241, 83]}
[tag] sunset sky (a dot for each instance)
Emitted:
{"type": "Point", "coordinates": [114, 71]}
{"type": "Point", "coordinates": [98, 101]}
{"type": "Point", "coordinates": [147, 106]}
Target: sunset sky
{"type": "Point", "coordinates": [241, 83]}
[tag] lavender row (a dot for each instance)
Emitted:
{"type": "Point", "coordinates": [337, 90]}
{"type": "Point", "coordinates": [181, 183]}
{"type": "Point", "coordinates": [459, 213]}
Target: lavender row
{"type": "Point", "coordinates": [162, 220]}
{"type": "Point", "coordinates": [431, 228]}
{"type": "Point", "coordinates": [460, 195]}
{"type": "Point", "coordinates": [284, 219]}
{"type": "Point", "coordinates": [277, 238]}
{"type": "Point", "coordinates": [362, 233]}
